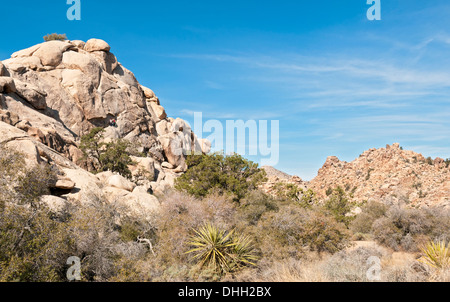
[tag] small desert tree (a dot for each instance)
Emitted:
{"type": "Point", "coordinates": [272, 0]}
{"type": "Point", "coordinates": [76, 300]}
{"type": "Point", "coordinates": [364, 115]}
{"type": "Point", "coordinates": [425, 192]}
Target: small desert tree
{"type": "Point", "coordinates": [230, 174]}
{"type": "Point", "coordinates": [339, 205]}
{"type": "Point", "coordinates": [104, 156]}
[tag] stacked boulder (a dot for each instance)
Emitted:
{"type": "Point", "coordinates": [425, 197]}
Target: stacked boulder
{"type": "Point", "coordinates": [57, 91]}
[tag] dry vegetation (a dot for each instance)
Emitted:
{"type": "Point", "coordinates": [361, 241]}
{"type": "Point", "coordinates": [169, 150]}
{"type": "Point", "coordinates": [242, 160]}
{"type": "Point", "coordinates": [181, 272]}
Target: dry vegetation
{"type": "Point", "coordinates": [286, 240]}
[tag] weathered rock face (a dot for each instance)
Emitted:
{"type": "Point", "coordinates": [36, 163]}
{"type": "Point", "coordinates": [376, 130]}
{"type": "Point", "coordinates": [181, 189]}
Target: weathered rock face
{"type": "Point", "coordinates": [54, 92]}
{"type": "Point", "coordinates": [390, 175]}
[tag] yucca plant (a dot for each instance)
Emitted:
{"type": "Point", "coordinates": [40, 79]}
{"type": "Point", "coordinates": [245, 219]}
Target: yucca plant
{"type": "Point", "coordinates": [243, 251]}
{"type": "Point", "coordinates": [223, 251]}
{"type": "Point", "coordinates": [436, 255]}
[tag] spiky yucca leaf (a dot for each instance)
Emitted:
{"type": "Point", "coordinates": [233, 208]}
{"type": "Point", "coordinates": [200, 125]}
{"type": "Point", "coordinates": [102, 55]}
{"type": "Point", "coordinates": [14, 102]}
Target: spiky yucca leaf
{"type": "Point", "coordinates": [243, 251]}
{"type": "Point", "coordinates": [211, 246]}
{"type": "Point", "coordinates": [220, 249]}
{"type": "Point", "coordinates": [436, 255]}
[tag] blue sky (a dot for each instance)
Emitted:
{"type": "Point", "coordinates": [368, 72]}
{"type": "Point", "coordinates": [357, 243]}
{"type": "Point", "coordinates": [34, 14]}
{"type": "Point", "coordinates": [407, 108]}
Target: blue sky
{"type": "Point", "coordinates": [338, 83]}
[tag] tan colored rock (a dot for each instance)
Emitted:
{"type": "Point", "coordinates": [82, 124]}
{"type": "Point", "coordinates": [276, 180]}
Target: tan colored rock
{"type": "Point", "coordinates": [120, 182]}
{"type": "Point", "coordinates": [167, 165]}
{"type": "Point", "coordinates": [107, 60]}
{"type": "Point", "coordinates": [96, 45]}
{"type": "Point", "coordinates": [78, 43]}
{"type": "Point", "coordinates": [31, 94]}
{"type": "Point", "coordinates": [26, 52]}
{"type": "Point", "coordinates": [173, 148]}
{"type": "Point", "coordinates": [2, 70]}
{"type": "Point", "coordinates": [87, 186]}
{"type": "Point", "coordinates": [18, 140]}
{"type": "Point", "coordinates": [7, 85]}
{"type": "Point", "coordinates": [22, 63]}
{"type": "Point", "coordinates": [85, 63]}
{"type": "Point", "coordinates": [75, 154]}
{"type": "Point", "coordinates": [104, 176]}
{"type": "Point", "coordinates": [205, 145]}
{"type": "Point", "coordinates": [64, 184]}
{"type": "Point", "coordinates": [389, 175]}
{"type": "Point", "coordinates": [144, 167]}
{"type": "Point", "coordinates": [162, 127]}
{"type": "Point", "coordinates": [9, 117]}
{"type": "Point", "coordinates": [50, 53]}
{"type": "Point", "coordinates": [159, 111]}
{"type": "Point", "coordinates": [125, 76]}
{"type": "Point", "coordinates": [56, 204]}
{"type": "Point", "coordinates": [148, 93]}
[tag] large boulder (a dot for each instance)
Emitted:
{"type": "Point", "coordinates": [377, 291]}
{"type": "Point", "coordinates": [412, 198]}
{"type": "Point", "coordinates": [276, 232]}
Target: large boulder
{"type": "Point", "coordinates": [120, 182]}
{"type": "Point", "coordinates": [56, 204]}
{"type": "Point", "coordinates": [96, 45]}
{"type": "Point", "coordinates": [50, 53]}
{"type": "Point", "coordinates": [144, 168]}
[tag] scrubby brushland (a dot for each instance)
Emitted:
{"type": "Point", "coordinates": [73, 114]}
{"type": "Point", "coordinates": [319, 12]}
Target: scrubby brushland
{"type": "Point", "coordinates": [258, 237]}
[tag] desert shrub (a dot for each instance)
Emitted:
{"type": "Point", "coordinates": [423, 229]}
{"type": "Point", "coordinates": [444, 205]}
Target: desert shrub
{"type": "Point", "coordinates": [287, 191]}
{"type": "Point", "coordinates": [33, 247]}
{"type": "Point", "coordinates": [293, 230]}
{"type": "Point", "coordinates": [362, 223]}
{"type": "Point", "coordinates": [55, 36]}
{"type": "Point", "coordinates": [293, 193]}
{"type": "Point", "coordinates": [408, 228]}
{"type": "Point", "coordinates": [115, 157]}
{"type": "Point", "coordinates": [370, 212]}
{"type": "Point", "coordinates": [402, 228]}
{"type": "Point", "coordinates": [230, 174]}
{"type": "Point", "coordinates": [101, 156]}
{"type": "Point", "coordinates": [339, 205]}
{"type": "Point", "coordinates": [20, 183]}
{"type": "Point", "coordinates": [180, 213]}
{"type": "Point", "coordinates": [386, 233]}
{"type": "Point", "coordinates": [254, 205]}
{"type": "Point", "coordinates": [323, 234]}
{"type": "Point", "coordinates": [350, 266]}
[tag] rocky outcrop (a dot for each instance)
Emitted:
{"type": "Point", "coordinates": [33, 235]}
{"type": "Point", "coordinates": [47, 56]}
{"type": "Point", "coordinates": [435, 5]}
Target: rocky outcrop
{"type": "Point", "coordinates": [275, 177]}
{"type": "Point", "coordinates": [54, 92]}
{"type": "Point", "coordinates": [391, 175]}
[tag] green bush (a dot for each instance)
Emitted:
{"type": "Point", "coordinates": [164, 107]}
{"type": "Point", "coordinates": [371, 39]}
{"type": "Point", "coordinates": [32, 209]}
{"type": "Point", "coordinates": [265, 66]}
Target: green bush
{"type": "Point", "coordinates": [231, 174]}
{"type": "Point", "coordinates": [254, 205]}
{"type": "Point", "coordinates": [20, 183]}
{"type": "Point", "coordinates": [55, 36]}
{"type": "Point", "coordinates": [339, 205]}
{"type": "Point", "coordinates": [100, 156]}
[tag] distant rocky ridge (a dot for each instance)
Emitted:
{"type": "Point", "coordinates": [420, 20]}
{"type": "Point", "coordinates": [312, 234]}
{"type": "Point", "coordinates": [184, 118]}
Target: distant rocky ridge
{"type": "Point", "coordinates": [390, 175]}
{"type": "Point", "coordinates": [54, 92]}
